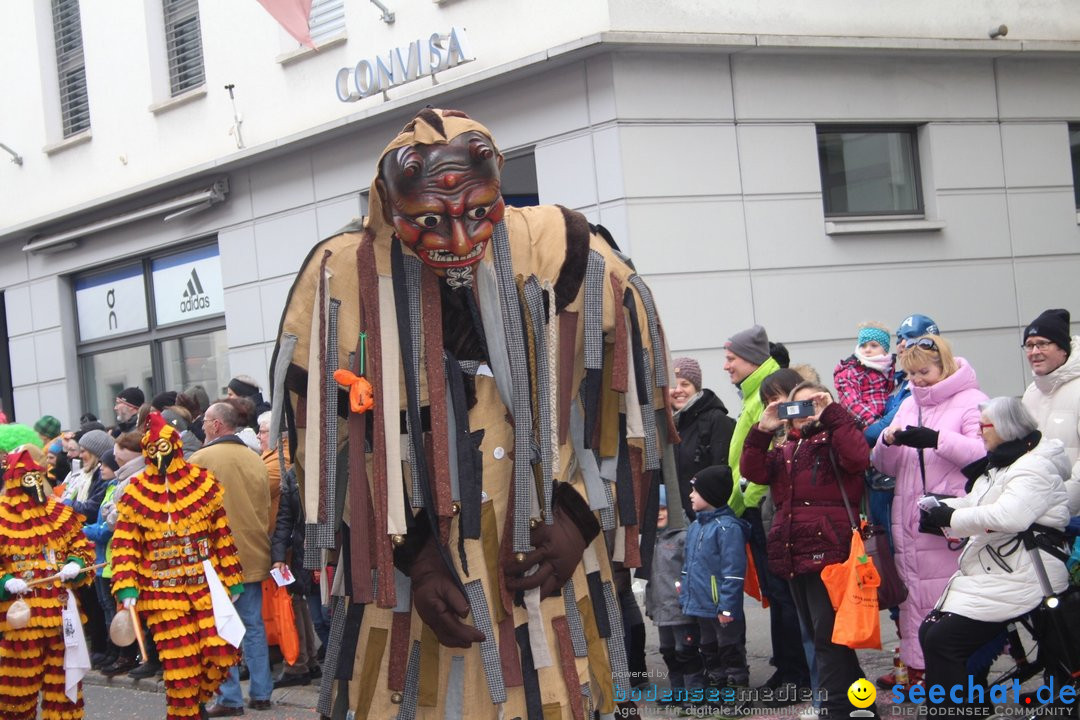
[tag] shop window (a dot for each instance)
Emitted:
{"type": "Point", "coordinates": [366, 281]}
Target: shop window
{"type": "Point", "coordinates": [157, 324]}
{"type": "Point", "coordinates": [183, 43]}
{"type": "Point", "coordinates": [869, 171]}
{"type": "Point", "coordinates": [70, 67]}
{"type": "Point", "coordinates": [1074, 149]}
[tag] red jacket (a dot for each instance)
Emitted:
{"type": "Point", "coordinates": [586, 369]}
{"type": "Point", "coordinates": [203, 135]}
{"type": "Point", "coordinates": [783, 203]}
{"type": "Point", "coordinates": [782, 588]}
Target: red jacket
{"type": "Point", "coordinates": [811, 528]}
{"type": "Point", "coordinates": [863, 391]}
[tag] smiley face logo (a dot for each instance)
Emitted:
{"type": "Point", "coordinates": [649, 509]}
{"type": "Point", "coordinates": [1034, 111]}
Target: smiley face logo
{"type": "Point", "coordinates": [862, 693]}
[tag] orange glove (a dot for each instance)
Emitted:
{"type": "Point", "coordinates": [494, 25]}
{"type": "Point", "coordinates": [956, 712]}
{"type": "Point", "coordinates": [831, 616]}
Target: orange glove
{"type": "Point", "coordinates": [361, 395]}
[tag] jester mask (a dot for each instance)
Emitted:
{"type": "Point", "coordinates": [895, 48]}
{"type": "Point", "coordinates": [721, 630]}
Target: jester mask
{"type": "Point", "coordinates": [161, 443]}
{"type": "Point", "coordinates": [25, 475]}
{"type": "Point", "coordinates": [439, 184]}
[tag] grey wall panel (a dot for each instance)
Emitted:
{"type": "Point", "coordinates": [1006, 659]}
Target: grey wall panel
{"type": "Point", "coordinates": [272, 295]}
{"type": "Point", "coordinates": [779, 158]}
{"type": "Point", "coordinates": [691, 86]}
{"type": "Point", "coordinates": [283, 184]}
{"type": "Point", "coordinates": [19, 309]}
{"type": "Point", "coordinates": [821, 88]}
{"type": "Point", "coordinates": [1039, 89]}
{"type": "Point", "coordinates": [1043, 283]}
{"type": "Point", "coordinates": [966, 155]}
{"type": "Point", "coordinates": [283, 242]}
{"type": "Point", "coordinates": [565, 172]}
{"type": "Point", "coordinates": [1036, 154]}
{"type": "Point", "coordinates": [50, 360]}
{"type": "Point", "coordinates": [1044, 222]}
{"type": "Point", "coordinates": [680, 160]}
{"type": "Point", "coordinates": [243, 316]}
{"type": "Point", "coordinates": [333, 215]}
{"type": "Point", "coordinates": [23, 360]}
{"type": "Point", "coordinates": [676, 236]}
{"type": "Point", "coordinates": [608, 158]}
{"type": "Point", "coordinates": [238, 253]}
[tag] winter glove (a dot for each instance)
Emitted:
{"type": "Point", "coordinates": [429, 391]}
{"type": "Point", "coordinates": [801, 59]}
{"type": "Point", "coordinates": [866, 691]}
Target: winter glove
{"type": "Point", "coordinates": [439, 601]}
{"type": "Point", "coordinates": [938, 517]}
{"type": "Point", "coordinates": [559, 546]}
{"type": "Point", "coordinates": [129, 603]}
{"type": "Point", "coordinates": [916, 437]}
{"type": "Point", "coordinates": [16, 586]}
{"type": "Point", "coordinates": [70, 571]}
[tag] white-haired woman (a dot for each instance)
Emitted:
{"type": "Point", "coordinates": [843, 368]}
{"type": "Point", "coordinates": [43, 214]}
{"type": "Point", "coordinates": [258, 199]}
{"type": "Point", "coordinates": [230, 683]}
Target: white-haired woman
{"type": "Point", "coordinates": [1020, 481]}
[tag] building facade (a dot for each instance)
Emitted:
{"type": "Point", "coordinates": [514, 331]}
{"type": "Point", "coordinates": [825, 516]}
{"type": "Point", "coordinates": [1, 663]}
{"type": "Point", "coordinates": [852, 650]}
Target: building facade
{"type": "Point", "coordinates": [172, 162]}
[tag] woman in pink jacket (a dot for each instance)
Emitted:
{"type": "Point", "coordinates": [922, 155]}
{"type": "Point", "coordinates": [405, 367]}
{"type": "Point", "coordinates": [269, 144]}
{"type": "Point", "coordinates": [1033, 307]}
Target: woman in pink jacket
{"type": "Point", "coordinates": [940, 423]}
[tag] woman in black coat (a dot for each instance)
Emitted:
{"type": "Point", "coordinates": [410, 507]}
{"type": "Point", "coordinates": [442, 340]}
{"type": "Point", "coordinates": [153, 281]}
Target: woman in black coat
{"type": "Point", "coordinates": [704, 426]}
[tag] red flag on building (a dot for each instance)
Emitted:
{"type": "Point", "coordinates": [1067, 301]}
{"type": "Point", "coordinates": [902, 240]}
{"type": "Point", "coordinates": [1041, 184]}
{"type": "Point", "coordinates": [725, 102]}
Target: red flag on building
{"type": "Point", "coordinates": [293, 16]}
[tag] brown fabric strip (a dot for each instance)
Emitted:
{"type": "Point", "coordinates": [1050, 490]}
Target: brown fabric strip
{"type": "Point", "coordinates": [609, 411]}
{"type": "Point", "coordinates": [506, 551]}
{"type": "Point", "coordinates": [632, 549]}
{"type": "Point", "coordinates": [369, 296]}
{"type": "Point", "coordinates": [300, 417]}
{"type": "Point", "coordinates": [429, 668]}
{"type": "Point", "coordinates": [641, 490]}
{"type": "Point", "coordinates": [361, 516]}
{"type": "Point", "coordinates": [552, 711]}
{"type": "Point", "coordinates": [599, 665]}
{"type": "Point", "coordinates": [568, 339]}
{"type": "Point", "coordinates": [399, 651]}
{"type": "Point", "coordinates": [509, 656]}
{"type": "Point", "coordinates": [373, 652]}
{"type": "Point", "coordinates": [568, 663]}
{"type": "Point", "coordinates": [489, 538]}
{"type": "Point", "coordinates": [620, 376]}
{"type": "Point", "coordinates": [431, 320]}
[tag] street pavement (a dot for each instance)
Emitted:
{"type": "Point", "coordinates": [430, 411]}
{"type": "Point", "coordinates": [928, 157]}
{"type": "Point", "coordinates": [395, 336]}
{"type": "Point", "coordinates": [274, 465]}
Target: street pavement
{"type": "Point", "coordinates": [124, 698]}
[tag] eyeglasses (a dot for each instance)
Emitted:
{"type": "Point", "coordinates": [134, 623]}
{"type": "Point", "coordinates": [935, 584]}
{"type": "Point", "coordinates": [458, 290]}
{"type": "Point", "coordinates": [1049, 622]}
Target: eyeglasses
{"type": "Point", "coordinates": [924, 342]}
{"type": "Point", "coordinates": [1040, 345]}
{"type": "Point", "coordinates": [983, 426]}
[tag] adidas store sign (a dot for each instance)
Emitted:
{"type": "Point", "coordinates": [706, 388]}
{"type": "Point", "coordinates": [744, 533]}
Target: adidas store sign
{"type": "Point", "coordinates": [188, 286]}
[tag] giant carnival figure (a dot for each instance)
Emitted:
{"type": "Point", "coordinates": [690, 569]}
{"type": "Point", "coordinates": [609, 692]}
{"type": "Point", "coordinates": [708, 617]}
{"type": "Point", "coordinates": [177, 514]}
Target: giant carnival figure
{"type": "Point", "coordinates": [173, 559]}
{"type": "Point", "coordinates": [516, 373]}
{"type": "Point", "coordinates": [42, 556]}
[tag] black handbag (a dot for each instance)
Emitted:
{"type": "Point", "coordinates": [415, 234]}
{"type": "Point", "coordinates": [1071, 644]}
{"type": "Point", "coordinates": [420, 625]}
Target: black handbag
{"type": "Point", "coordinates": [892, 590]}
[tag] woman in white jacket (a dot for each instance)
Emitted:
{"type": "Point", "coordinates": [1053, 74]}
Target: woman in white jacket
{"type": "Point", "coordinates": [1019, 482]}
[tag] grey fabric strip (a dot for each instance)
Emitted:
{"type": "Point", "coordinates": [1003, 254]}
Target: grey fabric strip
{"type": "Point", "coordinates": [333, 648]}
{"type": "Point", "coordinates": [648, 414]}
{"type": "Point", "coordinates": [489, 650]}
{"type": "Point", "coordinates": [470, 367]}
{"type": "Point", "coordinates": [286, 349]}
{"type": "Point", "coordinates": [573, 620]}
{"type": "Point", "coordinates": [620, 672]}
{"type": "Point", "coordinates": [411, 694]}
{"type": "Point", "coordinates": [670, 474]}
{"type": "Point", "coordinates": [514, 334]}
{"type": "Point", "coordinates": [594, 312]}
{"type": "Point", "coordinates": [534, 299]}
{"type": "Point", "coordinates": [403, 592]}
{"type": "Point", "coordinates": [491, 315]}
{"type": "Point", "coordinates": [659, 352]}
{"type": "Point", "coordinates": [322, 534]}
{"type": "Point", "coordinates": [454, 707]}
{"type": "Point", "coordinates": [594, 486]}
{"type": "Point", "coordinates": [452, 445]}
{"type": "Point", "coordinates": [413, 268]}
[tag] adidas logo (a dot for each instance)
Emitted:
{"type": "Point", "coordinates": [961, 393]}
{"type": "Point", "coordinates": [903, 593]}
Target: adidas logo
{"type": "Point", "coordinates": [194, 297]}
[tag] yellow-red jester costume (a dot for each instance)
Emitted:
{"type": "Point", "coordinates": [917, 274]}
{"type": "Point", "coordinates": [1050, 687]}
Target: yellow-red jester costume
{"type": "Point", "coordinates": [39, 538]}
{"type": "Point", "coordinates": [171, 545]}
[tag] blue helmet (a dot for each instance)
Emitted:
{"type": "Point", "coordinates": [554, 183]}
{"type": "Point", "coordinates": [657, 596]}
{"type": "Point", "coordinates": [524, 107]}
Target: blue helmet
{"type": "Point", "coordinates": [916, 326]}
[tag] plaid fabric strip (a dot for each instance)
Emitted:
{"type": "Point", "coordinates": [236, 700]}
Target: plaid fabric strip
{"type": "Point", "coordinates": [607, 513]}
{"type": "Point", "coordinates": [553, 378]}
{"type": "Point", "coordinates": [586, 692]}
{"type": "Point", "coordinates": [328, 466]}
{"type": "Point", "coordinates": [534, 300]}
{"type": "Point", "coordinates": [659, 350]}
{"type": "Point", "coordinates": [333, 649]}
{"type": "Point", "coordinates": [620, 671]}
{"type": "Point", "coordinates": [594, 312]}
{"type": "Point", "coordinates": [513, 331]}
{"type": "Point", "coordinates": [489, 651]}
{"type": "Point", "coordinates": [573, 619]}
{"type": "Point", "coordinates": [407, 710]}
{"type": "Point", "coordinates": [644, 385]}
{"type": "Point", "coordinates": [413, 268]}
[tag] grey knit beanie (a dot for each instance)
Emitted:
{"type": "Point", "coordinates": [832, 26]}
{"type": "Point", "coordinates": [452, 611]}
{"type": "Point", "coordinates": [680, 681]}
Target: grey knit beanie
{"type": "Point", "coordinates": [97, 442]}
{"type": "Point", "coordinates": [751, 345]}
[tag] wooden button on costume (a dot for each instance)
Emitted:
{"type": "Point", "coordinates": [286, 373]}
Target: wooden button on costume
{"type": "Point", "coordinates": [519, 379]}
{"type": "Point", "coordinates": [38, 537]}
{"type": "Point", "coordinates": [172, 543]}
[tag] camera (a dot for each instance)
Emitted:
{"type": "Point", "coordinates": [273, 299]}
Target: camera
{"type": "Point", "coordinates": [797, 409]}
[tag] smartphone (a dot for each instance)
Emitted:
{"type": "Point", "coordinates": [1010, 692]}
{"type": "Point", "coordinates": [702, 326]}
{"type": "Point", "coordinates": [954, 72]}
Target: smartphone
{"type": "Point", "coordinates": [797, 409]}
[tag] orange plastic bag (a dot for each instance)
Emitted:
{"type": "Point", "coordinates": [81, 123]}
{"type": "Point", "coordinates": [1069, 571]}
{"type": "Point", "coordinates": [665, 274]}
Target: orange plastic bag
{"type": "Point", "coordinates": [279, 620]}
{"type": "Point", "coordinates": [751, 585]}
{"type": "Point", "coordinates": [852, 587]}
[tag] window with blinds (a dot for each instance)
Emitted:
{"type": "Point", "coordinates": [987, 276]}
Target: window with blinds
{"type": "Point", "coordinates": [70, 67]}
{"type": "Point", "coordinates": [183, 42]}
{"type": "Point", "coordinates": [326, 20]}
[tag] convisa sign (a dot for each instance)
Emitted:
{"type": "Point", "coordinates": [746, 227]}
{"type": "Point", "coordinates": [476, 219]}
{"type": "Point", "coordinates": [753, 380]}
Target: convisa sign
{"type": "Point", "coordinates": [418, 59]}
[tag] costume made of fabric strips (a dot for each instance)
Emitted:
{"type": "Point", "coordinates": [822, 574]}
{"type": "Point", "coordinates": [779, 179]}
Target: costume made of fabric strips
{"type": "Point", "coordinates": [536, 391]}
{"type": "Point", "coordinates": [168, 524]}
{"type": "Point", "coordinates": [38, 536]}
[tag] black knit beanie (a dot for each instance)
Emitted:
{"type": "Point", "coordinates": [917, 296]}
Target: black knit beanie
{"type": "Point", "coordinates": [714, 485]}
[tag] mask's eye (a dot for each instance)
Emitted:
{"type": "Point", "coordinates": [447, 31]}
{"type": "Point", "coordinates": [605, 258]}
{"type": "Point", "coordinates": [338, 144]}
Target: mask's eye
{"type": "Point", "coordinates": [478, 213]}
{"type": "Point", "coordinates": [428, 221]}
{"type": "Point", "coordinates": [32, 478]}
{"type": "Point", "coordinates": [163, 446]}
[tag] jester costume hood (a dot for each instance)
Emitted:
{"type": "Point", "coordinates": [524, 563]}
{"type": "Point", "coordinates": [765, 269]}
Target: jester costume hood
{"type": "Point", "coordinates": [171, 536]}
{"type": "Point", "coordinates": [37, 537]}
{"type": "Point", "coordinates": [521, 357]}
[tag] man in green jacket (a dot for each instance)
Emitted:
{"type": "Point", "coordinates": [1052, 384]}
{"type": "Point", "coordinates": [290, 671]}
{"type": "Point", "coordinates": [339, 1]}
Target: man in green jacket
{"type": "Point", "coordinates": [748, 363]}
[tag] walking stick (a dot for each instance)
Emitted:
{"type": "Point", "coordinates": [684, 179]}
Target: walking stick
{"type": "Point", "coordinates": [18, 614]}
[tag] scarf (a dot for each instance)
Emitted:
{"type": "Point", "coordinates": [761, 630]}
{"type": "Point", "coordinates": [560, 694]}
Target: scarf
{"type": "Point", "coordinates": [687, 406]}
{"type": "Point", "coordinates": [1003, 455]}
{"type": "Point", "coordinates": [881, 363]}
